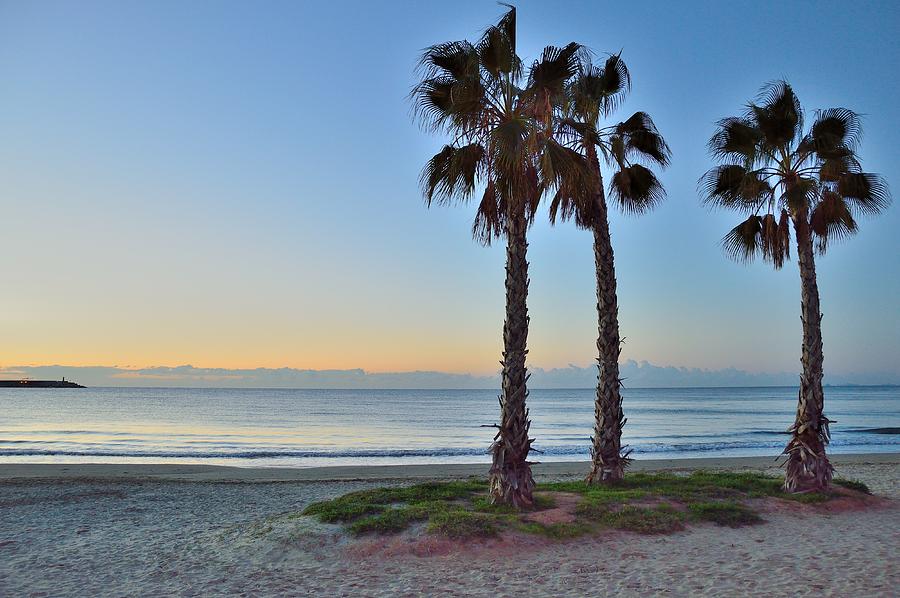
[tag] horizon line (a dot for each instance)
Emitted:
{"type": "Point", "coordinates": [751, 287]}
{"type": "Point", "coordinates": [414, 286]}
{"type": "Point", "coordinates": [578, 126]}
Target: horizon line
{"type": "Point", "coordinates": [539, 387]}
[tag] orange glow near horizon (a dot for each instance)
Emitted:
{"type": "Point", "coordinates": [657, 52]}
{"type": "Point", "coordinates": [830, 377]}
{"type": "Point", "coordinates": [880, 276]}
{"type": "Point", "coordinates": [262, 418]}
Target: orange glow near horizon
{"type": "Point", "coordinates": [448, 359]}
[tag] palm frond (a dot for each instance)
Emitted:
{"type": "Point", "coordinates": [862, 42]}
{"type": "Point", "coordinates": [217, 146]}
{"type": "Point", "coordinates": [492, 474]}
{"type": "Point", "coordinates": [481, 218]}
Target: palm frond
{"type": "Point", "coordinates": [734, 187]}
{"type": "Point", "coordinates": [614, 151]}
{"type": "Point", "coordinates": [800, 195]}
{"type": "Point", "coordinates": [583, 101]}
{"type": "Point", "coordinates": [495, 53]}
{"type": "Point", "coordinates": [642, 138]}
{"type": "Point", "coordinates": [833, 168]}
{"type": "Point", "coordinates": [548, 77]}
{"type": "Point", "coordinates": [735, 138]}
{"type": "Point", "coordinates": [489, 217]}
{"type": "Point", "coordinates": [452, 174]}
{"type": "Point", "coordinates": [573, 130]}
{"type": "Point", "coordinates": [744, 242]}
{"type": "Point", "coordinates": [507, 24]}
{"type": "Point", "coordinates": [432, 103]}
{"type": "Point", "coordinates": [497, 47]}
{"type": "Point", "coordinates": [555, 67]}
{"type": "Point", "coordinates": [508, 142]}
{"type": "Point", "coordinates": [613, 83]}
{"type": "Point", "coordinates": [831, 220]}
{"type": "Point", "coordinates": [573, 201]}
{"type": "Point", "coordinates": [532, 191]}
{"type": "Point", "coordinates": [835, 133]}
{"type": "Point", "coordinates": [561, 207]}
{"type": "Point", "coordinates": [775, 239]}
{"type": "Point", "coordinates": [559, 165]}
{"type": "Point", "coordinates": [570, 173]}
{"type": "Point", "coordinates": [565, 206]}
{"type": "Point", "coordinates": [784, 228]}
{"type": "Point", "coordinates": [450, 93]}
{"type": "Point", "coordinates": [457, 60]}
{"type": "Point", "coordinates": [597, 91]}
{"type": "Point", "coordinates": [867, 192]}
{"type": "Point", "coordinates": [636, 189]}
{"type": "Point", "coordinates": [443, 103]}
{"type": "Point", "coordinates": [777, 114]}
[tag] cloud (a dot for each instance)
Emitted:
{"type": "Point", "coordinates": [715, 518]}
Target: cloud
{"type": "Point", "coordinates": [635, 375]}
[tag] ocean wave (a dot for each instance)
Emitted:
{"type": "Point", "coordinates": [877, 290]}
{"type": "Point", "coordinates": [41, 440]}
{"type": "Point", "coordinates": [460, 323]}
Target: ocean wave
{"type": "Point", "coordinates": [437, 452]}
{"type": "Point", "coordinates": [248, 454]}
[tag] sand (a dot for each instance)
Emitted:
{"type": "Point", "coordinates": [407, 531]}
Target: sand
{"type": "Point", "coordinates": [151, 530]}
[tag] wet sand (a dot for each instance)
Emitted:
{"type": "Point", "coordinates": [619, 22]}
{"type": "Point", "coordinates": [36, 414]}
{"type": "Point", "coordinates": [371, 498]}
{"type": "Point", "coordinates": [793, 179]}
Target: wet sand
{"type": "Point", "coordinates": [550, 470]}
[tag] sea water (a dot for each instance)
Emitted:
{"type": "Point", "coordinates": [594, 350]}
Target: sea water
{"type": "Point", "coordinates": [285, 427]}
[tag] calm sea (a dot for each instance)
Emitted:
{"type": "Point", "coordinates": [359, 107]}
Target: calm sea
{"type": "Point", "coordinates": [339, 427]}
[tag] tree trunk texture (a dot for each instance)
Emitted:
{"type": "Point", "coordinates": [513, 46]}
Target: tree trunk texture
{"type": "Point", "coordinates": [607, 461]}
{"type": "Point", "coordinates": [511, 481]}
{"type": "Point", "coordinates": [808, 468]}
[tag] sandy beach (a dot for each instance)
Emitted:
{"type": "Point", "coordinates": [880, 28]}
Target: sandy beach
{"type": "Point", "coordinates": [196, 530]}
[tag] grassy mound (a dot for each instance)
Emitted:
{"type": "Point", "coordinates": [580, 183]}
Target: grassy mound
{"type": "Point", "coordinates": [644, 503]}
{"type": "Point", "coordinates": [726, 513]}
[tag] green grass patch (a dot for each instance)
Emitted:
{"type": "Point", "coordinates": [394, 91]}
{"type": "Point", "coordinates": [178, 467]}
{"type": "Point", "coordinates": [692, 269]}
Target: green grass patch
{"type": "Point", "coordinates": [852, 485]}
{"type": "Point", "coordinates": [576, 487]}
{"type": "Point", "coordinates": [699, 484]}
{"type": "Point", "coordinates": [341, 510]}
{"type": "Point", "coordinates": [808, 498]}
{"type": "Point", "coordinates": [483, 504]}
{"type": "Point", "coordinates": [463, 524]}
{"type": "Point", "coordinates": [592, 509]}
{"type": "Point", "coordinates": [367, 502]}
{"type": "Point", "coordinates": [395, 520]}
{"type": "Point", "coordinates": [463, 509]}
{"type": "Point", "coordinates": [609, 493]}
{"type": "Point", "coordinates": [392, 510]}
{"type": "Point", "coordinates": [724, 513]}
{"type": "Point", "coordinates": [390, 521]}
{"type": "Point", "coordinates": [542, 502]}
{"type": "Point", "coordinates": [703, 485]}
{"type": "Point", "coordinates": [660, 520]}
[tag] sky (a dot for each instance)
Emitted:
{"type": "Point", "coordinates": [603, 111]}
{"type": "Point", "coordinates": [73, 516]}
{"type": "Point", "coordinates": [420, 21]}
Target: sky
{"type": "Point", "coordinates": [235, 185]}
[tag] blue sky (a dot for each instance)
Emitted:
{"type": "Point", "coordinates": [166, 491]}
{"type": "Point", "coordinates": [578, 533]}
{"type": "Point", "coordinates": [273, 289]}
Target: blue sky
{"type": "Point", "coordinates": [235, 185]}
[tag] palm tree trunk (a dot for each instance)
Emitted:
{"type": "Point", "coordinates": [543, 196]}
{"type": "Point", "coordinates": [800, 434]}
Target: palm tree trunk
{"type": "Point", "coordinates": [511, 481]}
{"type": "Point", "coordinates": [607, 462]}
{"type": "Point", "coordinates": [808, 468]}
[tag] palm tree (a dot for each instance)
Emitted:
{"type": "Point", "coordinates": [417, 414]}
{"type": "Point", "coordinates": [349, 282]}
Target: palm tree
{"type": "Point", "coordinates": [592, 96]}
{"type": "Point", "coordinates": [503, 146]}
{"type": "Point", "coordinates": [813, 181]}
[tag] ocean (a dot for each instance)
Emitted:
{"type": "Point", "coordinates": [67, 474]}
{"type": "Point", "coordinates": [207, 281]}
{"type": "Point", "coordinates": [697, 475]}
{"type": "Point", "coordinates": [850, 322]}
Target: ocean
{"type": "Point", "coordinates": [301, 428]}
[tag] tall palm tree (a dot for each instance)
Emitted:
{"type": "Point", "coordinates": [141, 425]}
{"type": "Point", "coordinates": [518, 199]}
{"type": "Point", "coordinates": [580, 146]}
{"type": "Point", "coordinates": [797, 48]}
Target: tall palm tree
{"type": "Point", "coordinates": [811, 181]}
{"type": "Point", "coordinates": [503, 146]}
{"type": "Point", "coordinates": [592, 96]}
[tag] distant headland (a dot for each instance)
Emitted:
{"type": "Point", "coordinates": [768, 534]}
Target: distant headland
{"type": "Point", "coordinates": [38, 384]}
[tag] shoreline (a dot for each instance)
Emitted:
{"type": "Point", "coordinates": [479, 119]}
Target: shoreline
{"type": "Point", "coordinates": [346, 473]}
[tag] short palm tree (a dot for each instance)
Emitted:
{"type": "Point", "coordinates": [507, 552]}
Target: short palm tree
{"type": "Point", "coordinates": [503, 146]}
{"type": "Point", "coordinates": [592, 96]}
{"type": "Point", "coordinates": [811, 181]}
